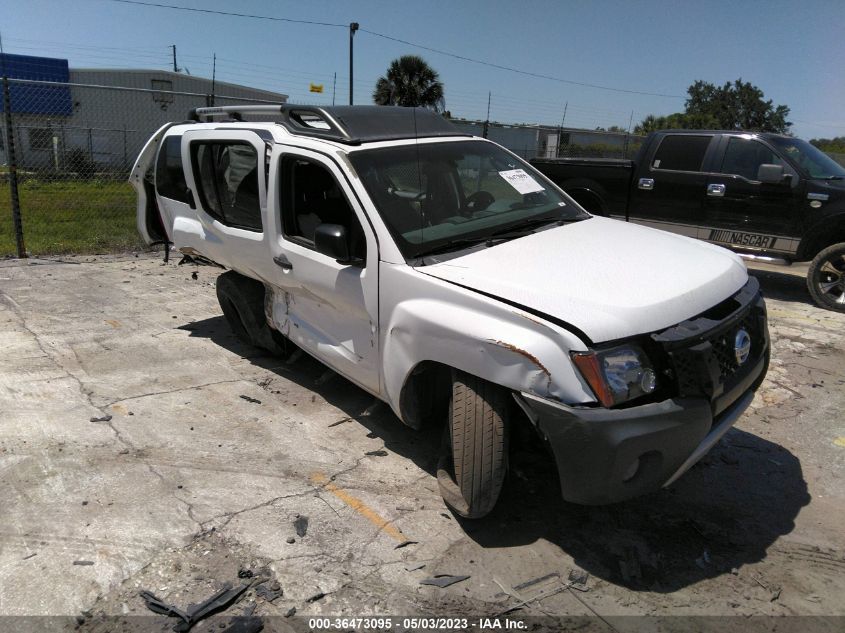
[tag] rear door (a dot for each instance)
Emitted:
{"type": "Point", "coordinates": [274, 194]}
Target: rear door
{"type": "Point", "coordinates": [226, 175]}
{"type": "Point", "coordinates": [667, 193]}
{"type": "Point", "coordinates": [329, 309]}
{"type": "Point", "coordinates": [743, 212]}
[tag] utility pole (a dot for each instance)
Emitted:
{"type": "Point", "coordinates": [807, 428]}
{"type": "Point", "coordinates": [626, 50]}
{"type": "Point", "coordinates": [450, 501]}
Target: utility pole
{"type": "Point", "coordinates": [334, 87]}
{"type": "Point", "coordinates": [560, 129]}
{"type": "Point", "coordinates": [213, 76]}
{"type": "Point", "coordinates": [487, 120]}
{"type": "Point", "coordinates": [175, 67]}
{"type": "Point", "coordinates": [353, 26]}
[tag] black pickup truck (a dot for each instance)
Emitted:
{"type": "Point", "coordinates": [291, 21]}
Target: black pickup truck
{"type": "Point", "coordinates": [769, 197]}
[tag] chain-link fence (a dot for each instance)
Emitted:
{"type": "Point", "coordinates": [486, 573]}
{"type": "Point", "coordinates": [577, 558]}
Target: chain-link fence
{"type": "Point", "coordinates": [73, 147]}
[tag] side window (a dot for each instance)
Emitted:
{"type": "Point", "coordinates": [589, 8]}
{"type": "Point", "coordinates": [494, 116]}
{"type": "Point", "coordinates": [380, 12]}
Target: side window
{"type": "Point", "coordinates": [310, 196]}
{"type": "Point", "coordinates": [743, 157]}
{"type": "Point", "coordinates": [227, 178]}
{"type": "Point", "coordinates": [170, 176]}
{"type": "Point", "coordinates": [681, 152]}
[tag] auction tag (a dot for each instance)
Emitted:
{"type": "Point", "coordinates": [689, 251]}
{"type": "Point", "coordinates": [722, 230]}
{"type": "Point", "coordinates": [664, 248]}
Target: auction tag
{"type": "Point", "coordinates": [522, 182]}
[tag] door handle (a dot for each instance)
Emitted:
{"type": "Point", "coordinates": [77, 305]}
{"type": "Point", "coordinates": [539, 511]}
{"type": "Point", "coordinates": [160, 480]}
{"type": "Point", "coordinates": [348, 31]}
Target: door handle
{"type": "Point", "coordinates": [716, 190]}
{"type": "Point", "coordinates": [646, 184]}
{"type": "Point", "coordinates": [283, 262]}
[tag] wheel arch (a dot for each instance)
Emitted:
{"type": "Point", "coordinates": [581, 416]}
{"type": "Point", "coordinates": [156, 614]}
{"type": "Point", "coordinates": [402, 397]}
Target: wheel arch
{"type": "Point", "coordinates": [825, 233]}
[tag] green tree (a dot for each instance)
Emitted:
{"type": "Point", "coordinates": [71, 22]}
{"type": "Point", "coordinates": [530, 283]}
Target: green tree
{"type": "Point", "coordinates": [737, 105]}
{"type": "Point", "coordinates": [836, 145]}
{"type": "Point", "coordinates": [410, 82]}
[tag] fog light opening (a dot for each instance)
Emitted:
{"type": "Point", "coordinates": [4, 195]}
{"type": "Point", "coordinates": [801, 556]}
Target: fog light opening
{"type": "Point", "coordinates": [632, 471]}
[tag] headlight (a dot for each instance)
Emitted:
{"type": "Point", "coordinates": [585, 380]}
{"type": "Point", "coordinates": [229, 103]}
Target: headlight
{"type": "Point", "coordinates": [618, 374]}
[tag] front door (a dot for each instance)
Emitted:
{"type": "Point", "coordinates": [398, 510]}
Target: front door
{"type": "Point", "coordinates": [329, 309]}
{"type": "Point", "coordinates": [745, 213]}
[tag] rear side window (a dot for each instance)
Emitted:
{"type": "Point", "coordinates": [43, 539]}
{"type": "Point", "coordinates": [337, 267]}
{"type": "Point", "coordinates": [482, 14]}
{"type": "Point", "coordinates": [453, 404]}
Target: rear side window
{"type": "Point", "coordinates": [227, 178]}
{"type": "Point", "coordinates": [681, 153]}
{"type": "Point", "coordinates": [170, 177]}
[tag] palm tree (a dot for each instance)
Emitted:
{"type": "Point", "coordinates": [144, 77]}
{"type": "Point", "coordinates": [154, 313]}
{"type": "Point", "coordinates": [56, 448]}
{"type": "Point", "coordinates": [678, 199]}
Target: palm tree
{"type": "Point", "coordinates": [410, 82]}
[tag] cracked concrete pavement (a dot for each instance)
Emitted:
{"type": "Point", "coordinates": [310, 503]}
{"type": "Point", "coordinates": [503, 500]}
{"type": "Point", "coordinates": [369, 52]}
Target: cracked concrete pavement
{"type": "Point", "coordinates": [206, 451]}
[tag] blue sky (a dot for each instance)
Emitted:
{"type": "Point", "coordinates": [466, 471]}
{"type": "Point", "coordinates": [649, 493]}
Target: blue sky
{"type": "Point", "coordinates": [794, 51]}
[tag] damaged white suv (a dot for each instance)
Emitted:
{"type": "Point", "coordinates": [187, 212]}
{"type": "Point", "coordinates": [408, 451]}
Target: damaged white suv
{"type": "Point", "coordinates": [447, 277]}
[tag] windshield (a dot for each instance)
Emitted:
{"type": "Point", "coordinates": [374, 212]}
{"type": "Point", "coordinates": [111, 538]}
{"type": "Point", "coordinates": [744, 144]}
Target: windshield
{"type": "Point", "coordinates": [435, 195]}
{"type": "Point", "coordinates": [814, 161]}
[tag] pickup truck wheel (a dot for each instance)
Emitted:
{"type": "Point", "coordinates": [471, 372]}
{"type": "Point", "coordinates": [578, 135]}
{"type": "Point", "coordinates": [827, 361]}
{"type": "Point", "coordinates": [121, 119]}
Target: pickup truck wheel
{"type": "Point", "coordinates": [473, 465]}
{"type": "Point", "coordinates": [242, 302]}
{"type": "Point", "coordinates": [826, 278]}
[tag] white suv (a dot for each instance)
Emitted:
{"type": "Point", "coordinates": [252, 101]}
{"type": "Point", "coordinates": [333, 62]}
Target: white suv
{"type": "Point", "coordinates": [449, 278]}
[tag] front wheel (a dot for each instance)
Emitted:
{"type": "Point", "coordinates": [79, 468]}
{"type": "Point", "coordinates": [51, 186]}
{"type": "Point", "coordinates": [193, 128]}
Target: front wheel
{"type": "Point", "coordinates": [473, 465]}
{"type": "Point", "coordinates": [826, 278]}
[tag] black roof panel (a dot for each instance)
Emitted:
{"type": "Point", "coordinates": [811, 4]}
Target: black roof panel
{"type": "Point", "coordinates": [347, 124]}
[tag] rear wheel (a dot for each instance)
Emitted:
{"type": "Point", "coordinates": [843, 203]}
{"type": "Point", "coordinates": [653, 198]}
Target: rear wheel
{"type": "Point", "coordinates": [826, 278]}
{"type": "Point", "coordinates": [474, 461]}
{"type": "Point", "coordinates": [242, 302]}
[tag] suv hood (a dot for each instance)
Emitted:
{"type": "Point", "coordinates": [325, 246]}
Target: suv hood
{"type": "Point", "coordinates": [608, 278]}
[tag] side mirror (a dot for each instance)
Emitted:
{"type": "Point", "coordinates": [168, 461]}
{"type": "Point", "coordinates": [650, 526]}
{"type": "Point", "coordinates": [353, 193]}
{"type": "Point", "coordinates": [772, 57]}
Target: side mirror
{"type": "Point", "coordinates": [771, 174]}
{"type": "Point", "coordinates": [330, 240]}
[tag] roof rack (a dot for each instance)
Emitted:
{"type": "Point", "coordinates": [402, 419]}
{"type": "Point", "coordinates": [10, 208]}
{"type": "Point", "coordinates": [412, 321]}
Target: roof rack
{"type": "Point", "coordinates": [351, 125]}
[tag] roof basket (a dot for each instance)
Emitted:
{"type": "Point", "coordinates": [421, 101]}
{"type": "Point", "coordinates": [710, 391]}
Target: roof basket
{"type": "Point", "coordinates": [351, 125]}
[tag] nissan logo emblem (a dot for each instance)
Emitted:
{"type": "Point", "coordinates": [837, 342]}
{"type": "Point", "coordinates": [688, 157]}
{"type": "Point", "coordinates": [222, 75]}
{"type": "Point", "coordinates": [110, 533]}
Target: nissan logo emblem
{"type": "Point", "coordinates": [742, 346]}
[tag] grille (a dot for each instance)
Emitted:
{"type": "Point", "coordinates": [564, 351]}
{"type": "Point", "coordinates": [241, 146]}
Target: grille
{"type": "Point", "coordinates": [700, 352]}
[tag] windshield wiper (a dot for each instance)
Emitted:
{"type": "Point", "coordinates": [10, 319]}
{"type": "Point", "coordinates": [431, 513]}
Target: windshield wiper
{"type": "Point", "coordinates": [454, 245]}
{"type": "Point", "coordinates": [531, 225]}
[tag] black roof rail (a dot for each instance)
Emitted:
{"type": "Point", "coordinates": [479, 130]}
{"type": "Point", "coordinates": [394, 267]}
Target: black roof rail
{"type": "Point", "coordinates": [351, 125]}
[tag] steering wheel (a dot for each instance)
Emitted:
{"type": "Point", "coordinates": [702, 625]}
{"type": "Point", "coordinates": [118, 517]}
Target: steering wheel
{"type": "Point", "coordinates": [477, 201]}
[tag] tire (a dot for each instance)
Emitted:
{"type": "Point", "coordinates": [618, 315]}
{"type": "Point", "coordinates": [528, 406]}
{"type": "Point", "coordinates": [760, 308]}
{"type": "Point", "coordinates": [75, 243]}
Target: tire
{"type": "Point", "coordinates": [826, 278]}
{"type": "Point", "coordinates": [242, 302]}
{"type": "Point", "coordinates": [474, 461]}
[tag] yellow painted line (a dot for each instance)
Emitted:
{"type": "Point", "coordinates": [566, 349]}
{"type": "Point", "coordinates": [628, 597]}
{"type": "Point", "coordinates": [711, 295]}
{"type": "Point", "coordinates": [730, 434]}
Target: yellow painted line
{"type": "Point", "coordinates": [840, 441]}
{"type": "Point", "coordinates": [359, 507]}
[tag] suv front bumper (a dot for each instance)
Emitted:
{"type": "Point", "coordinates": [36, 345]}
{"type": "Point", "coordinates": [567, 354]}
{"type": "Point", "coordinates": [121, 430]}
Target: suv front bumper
{"type": "Point", "coordinates": [609, 455]}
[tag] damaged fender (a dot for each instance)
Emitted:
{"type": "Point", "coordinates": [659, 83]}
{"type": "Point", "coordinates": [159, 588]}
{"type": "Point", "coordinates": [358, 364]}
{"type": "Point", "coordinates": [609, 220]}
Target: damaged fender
{"type": "Point", "coordinates": [473, 333]}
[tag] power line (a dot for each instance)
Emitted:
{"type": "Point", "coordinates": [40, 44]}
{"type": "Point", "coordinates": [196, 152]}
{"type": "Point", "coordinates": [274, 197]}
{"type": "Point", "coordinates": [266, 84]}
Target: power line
{"type": "Point", "coordinates": [229, 13]}
{"type": "Point", "coordinates": [407, 43]}
{"type": "Point", "coordinates": [517, 70]}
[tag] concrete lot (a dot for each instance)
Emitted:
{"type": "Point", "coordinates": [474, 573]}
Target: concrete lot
{"type": "Point", "coordinates": [214, 449]}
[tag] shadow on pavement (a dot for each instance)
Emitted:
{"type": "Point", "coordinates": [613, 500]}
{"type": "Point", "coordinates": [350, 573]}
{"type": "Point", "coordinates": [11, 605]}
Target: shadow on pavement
{"type": "Point", "coordinates": [783, 286]}
{"type": "Point", "coordinates": [725, 513]}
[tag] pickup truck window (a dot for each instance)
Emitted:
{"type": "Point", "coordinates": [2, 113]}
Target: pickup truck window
{"type": "Point", "coordinates": [434, 194]}
{"type": "Point", "coordinates": [310, 197]}
{"type": "Point", "coordinates": [169, 174]}
{"type": "Point", "coordinates": [227, 178]}
{"type": "Point", "coordinates": [815, 162]}
{"type": "Point", "coordinates": [681, 152]}
{"type": "Point", "coordinates": [743, 157]}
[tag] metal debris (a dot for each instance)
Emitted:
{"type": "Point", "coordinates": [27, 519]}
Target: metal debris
{"type": "Point", "coordinates": [443, 580]}
{"type": "Point", "coordinates": [578, 577]}
{"type": "Point", "coordinates": [219, 601]}
{"type": "Point", "coordinates": [290, 612]}
{"type": "Point", "coordinates": [301, 526]}
{"type": "Point", "coordinates": [405, 544]}
{"type": "Point", "coordinates": [317, 596]}
{"type": "Point", "coordinates": [271, 593]}
{"type": "Point", "coordinates": [83, 562]}
{"type": "Point", "coordinates": [104, 418]}
{"type": "Point", "coordinates": [290, 539]}
{"type": "Point", "coordinates": [378, 453]}
{"type": "Point", "coordinates": [248, 399]}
